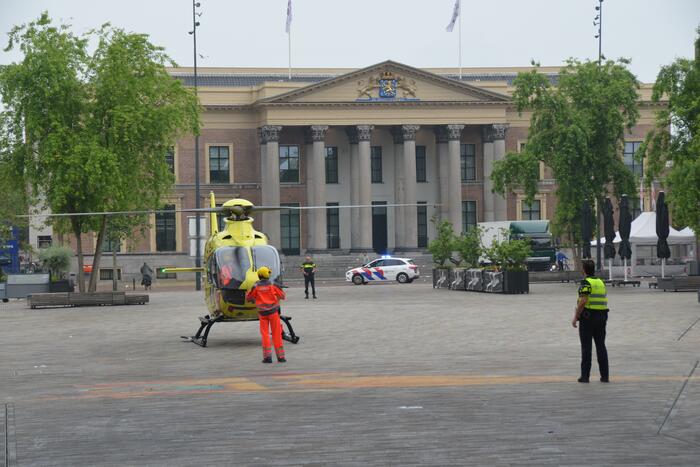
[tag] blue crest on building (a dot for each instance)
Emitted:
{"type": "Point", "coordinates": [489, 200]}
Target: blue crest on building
{"type": "Point", "coordinates": [387, 88]}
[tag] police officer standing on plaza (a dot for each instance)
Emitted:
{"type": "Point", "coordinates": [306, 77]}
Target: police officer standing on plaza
{"type": "Point", "coordinates": [592, 314]}
{"type": "Point", "coordinates": [308, 267]}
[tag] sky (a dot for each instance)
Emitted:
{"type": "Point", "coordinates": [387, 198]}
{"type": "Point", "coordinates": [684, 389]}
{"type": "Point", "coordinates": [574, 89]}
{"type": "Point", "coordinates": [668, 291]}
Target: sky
{"type": "Point", "coordinates": [359, 33]}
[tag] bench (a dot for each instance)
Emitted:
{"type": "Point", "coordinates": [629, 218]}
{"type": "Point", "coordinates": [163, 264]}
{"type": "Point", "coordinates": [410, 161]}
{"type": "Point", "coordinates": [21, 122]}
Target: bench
{"type": "Point", "coordinates": [85, 299]}
{"type": "Point", "coordinates": [677, 283]}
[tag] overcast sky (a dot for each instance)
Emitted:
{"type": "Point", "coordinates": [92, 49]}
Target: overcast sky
{"type": "Point", "coordinates": [359, 33]}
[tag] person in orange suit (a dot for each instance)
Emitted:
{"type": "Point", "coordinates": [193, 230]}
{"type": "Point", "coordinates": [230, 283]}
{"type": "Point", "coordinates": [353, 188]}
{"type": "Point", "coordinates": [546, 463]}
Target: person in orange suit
{"type": "Point", "coordinates": [266, 297]}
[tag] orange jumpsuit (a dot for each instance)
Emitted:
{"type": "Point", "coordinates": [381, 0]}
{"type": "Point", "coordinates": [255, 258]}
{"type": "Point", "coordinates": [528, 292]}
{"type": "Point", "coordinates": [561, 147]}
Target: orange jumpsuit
{"type": "Point", "coordinates": [266, 297]}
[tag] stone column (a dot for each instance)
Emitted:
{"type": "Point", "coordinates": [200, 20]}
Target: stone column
{"type": "Point", "coordinates": [364, 133]}
{"type": "Point", "coordinates": [318, 136]}
{"type": "Point", "coordinates": [443, 169]}
{"type": "Point", "coordinates": [354, 188]}
{"type": "Point", "coordinates": [410, 213]}
{"type": "Point", "coordinates": [487, 137]}
{"type": "Point", "coordinates": [310, 186]}
{"type": "Point", "coordinates": [399, 187]}
{"type": "Point", "coordinates": [454, 181]}
{"type": "Point", "coordinates": [499, 153]}
{"type": "Point", "coordinates": [270, 177]}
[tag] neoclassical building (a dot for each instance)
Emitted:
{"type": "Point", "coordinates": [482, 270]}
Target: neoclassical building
{"type": "Point", "coordinates": [379, 136]}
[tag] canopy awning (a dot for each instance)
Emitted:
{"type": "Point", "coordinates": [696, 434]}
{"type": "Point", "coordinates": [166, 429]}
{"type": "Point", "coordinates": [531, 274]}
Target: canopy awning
{"type": "Point", "coordinates": [643, 231]}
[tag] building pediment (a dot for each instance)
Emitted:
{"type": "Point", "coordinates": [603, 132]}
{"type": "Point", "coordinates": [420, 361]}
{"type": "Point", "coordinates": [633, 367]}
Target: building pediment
{"type": "Point", "coordinates": [390, 83]}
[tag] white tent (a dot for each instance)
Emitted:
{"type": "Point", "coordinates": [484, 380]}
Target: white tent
{"type": "Point", "coordinates": [643, 231]}
{"type": "Point", "coordinates": [643, 234]}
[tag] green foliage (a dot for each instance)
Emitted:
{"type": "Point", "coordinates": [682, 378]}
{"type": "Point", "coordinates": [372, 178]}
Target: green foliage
{"type": "Point", "coordinates": [443, 244]}
{"type": "Point", "coordinates": [89, 131]}
{"type": "Point", "coordinates": [577, 129]}
{"type": "Point", "coordinates": [56, 259]}
{"type": "Point", "coordinates": [679, 85]}
{"type": "Point", "coordinates": [509, 254]}
{"type": "Point", "coordinates": [468, 246]}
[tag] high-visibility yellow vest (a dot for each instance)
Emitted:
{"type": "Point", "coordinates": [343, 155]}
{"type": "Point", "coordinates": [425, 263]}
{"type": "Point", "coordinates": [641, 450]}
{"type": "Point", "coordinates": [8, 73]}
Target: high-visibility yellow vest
{"type": "Point", "coordinates": [598, 298]}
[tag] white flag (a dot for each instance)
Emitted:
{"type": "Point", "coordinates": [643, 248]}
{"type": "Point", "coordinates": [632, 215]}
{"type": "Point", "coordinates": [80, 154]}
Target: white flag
{"type": "Point", "coordinates": [455, 14]}
{"type": "Point", "coordinates": [289, 15]}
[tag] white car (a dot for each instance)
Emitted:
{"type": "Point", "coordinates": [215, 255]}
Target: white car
{"type": "Point", "coordinates": [402, 270]}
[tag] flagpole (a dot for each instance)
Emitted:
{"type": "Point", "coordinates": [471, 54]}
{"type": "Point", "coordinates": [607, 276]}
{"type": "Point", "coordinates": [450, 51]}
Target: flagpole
{"type": "Point", "coordinates": [289, 46]}
{"type": "Point", "coordinates": [460, 40]}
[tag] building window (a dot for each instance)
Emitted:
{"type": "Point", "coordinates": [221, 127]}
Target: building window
{"type": "Point", "coordinates": [289, 164]}
{"type": "Point", "coordinates": [376, 158]}
{"type": "Point", "coordinates": [160, 274]}
{"type": "Point", "coordinates": [107, 274]}
{"type": "Point", "coordinates": [289, 223]}
{"type": "Point", "coordinates": [468, 215]}
{"type": "Point", "coordinates": [635, 166]}
{"type": "Point", "coordinates": [43, 241]}
{"type": "Point", "coordinates": [421, 172]}
{"type": "Point", "coordinates": [531, 211]}
{"type": "Point", "coordinates": [333, 227]}
{"type": "Point", "coordinates": [109, 245]}
{"type": "Point", "coordinates": [170, 160]}
{"type": "Point", "coordinates": [468, 161]}
{"type": "Point", "coordinates": [218, 164]}
{"type": "Point", "coordinates": [165, 229]}
{"type": "Point", "coordinates": [332, 164]}
{"type": "Point", "coordinates": [422, 224]}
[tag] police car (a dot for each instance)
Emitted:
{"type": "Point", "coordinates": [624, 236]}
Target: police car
{"type": "Point", "coordinates": [402, 270]}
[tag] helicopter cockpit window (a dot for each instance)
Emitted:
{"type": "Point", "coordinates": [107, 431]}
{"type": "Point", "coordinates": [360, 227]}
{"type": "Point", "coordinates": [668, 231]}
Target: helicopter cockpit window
{"type": "Point", "coordinates": [232, 263]}
{"type": "Point", "coordinates": [265, 255]}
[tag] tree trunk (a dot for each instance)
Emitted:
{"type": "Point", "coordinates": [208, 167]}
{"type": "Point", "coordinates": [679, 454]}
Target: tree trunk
{"type": "Point", "coordinates": [98, 255]}
{"type": "Point", "coordinates": [79, 246]}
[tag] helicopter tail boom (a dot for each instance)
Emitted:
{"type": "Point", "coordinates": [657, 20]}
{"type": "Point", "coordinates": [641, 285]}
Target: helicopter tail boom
{"type": "Point", "coordinates": [183, 270]}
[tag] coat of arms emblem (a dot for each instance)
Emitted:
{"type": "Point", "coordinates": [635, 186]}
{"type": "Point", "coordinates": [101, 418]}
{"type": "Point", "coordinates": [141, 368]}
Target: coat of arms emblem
{"type": "Point", "coordinates": [387, 85]}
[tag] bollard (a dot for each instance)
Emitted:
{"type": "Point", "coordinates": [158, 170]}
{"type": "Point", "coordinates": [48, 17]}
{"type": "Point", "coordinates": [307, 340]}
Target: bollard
{"type": "Point", "coordinates": [133, 286]}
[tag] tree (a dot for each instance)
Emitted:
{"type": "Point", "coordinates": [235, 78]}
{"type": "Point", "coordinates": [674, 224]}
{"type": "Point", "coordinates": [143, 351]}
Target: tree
{"type": "Point", "coordinates": [468, 246]}
{"type": "Point", "coordinates": [675, 140]}
{"type": "Point", "coordinates": [577, 129]}
{"type": "Point", "coordinates": [89, 131]}
{"type": "Point", "coordinates": [443, 244]}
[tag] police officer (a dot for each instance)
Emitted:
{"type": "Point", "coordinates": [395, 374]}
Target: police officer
{"type": "Point", "coordinates": [309, 269]}
{"type": "Point", "coordinates": [592, 314]}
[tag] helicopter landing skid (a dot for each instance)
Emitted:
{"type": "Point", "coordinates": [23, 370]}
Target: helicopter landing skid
{"type": "Point", "coordinates": [207, 323]}
{"type": "Point", "coordinates": [289, 337]}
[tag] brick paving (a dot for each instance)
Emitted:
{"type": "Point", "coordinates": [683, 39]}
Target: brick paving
{"type": "Point", "coordinates": [384, 375]}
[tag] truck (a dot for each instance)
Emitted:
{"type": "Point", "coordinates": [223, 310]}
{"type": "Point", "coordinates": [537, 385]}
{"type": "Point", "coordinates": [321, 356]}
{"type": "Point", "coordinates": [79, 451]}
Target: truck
{"type": "Point", "coordinates": [536, 232]}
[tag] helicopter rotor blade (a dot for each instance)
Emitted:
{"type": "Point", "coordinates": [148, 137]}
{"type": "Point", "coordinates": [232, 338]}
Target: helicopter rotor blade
{"type": "Point", "coordinates": [122, 213]}
{"type": "Point", "coordinates": [347, 206]}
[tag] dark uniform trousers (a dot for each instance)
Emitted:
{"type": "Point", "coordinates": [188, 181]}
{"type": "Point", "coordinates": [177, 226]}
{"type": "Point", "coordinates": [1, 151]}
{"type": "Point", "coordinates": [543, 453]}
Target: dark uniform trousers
{"type": "Point", "coordinates": [592, 328]}
{"type": "Point", "coordinates": [309, 279]}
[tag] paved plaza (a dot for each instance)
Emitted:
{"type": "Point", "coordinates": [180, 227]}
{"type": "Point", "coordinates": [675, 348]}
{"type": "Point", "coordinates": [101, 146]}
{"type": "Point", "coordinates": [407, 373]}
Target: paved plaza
{"type": "Point", "coordinates": [385, 374]}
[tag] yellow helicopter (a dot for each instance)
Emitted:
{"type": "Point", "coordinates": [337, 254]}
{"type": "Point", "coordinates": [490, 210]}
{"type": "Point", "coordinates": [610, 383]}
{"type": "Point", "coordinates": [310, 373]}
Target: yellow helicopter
{"type": "Point", "coordinates": [231, 260]}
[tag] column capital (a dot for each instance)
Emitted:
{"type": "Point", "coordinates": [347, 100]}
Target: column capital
{"type": "Point", "coordinates": [315, 133]}
{"type": "Point", "coordinates": [408, 132]}
{"type": "Point", "coordinates": [499, 130]}
{"type": "Point", "coordinates": [269, 133]}
{"type": "Point", "coordinates": [364, 132]}
{"type": "Point", "coordinates": [454, 131]}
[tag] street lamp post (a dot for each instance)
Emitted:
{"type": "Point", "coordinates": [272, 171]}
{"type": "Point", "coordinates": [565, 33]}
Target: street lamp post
{"type": "Point", "coordinates": [198, 249]}
{"type": "Point", "coordinates": [598, 21]}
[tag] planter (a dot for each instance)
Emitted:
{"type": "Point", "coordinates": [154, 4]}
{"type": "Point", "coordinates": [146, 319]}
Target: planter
{"type": "Point", "coordinates": [459, 279]}
{"type": "Point", "coordinates": [475, 280]}
{"type": "Point", "coordinates": [493, 281]}
{"type": "Point", "coordinates": [441, 278]}
{"type": "Point", "coordinates": [61, 286]}
{"type": "Point", "coordinates": [516, 282]}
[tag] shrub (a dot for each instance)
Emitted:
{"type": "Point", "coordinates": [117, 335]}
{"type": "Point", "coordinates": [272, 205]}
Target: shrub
{"type": "Point", "coordinates": [444, 243]}
{"type": "Point", "coordinates": [57, 260]}
{"type": "Point", "coordinates": [468, 246]}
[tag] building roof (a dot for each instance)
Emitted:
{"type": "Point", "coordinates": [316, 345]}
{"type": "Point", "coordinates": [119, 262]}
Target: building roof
{"type": "Point", "coordinates": [233, 79]}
